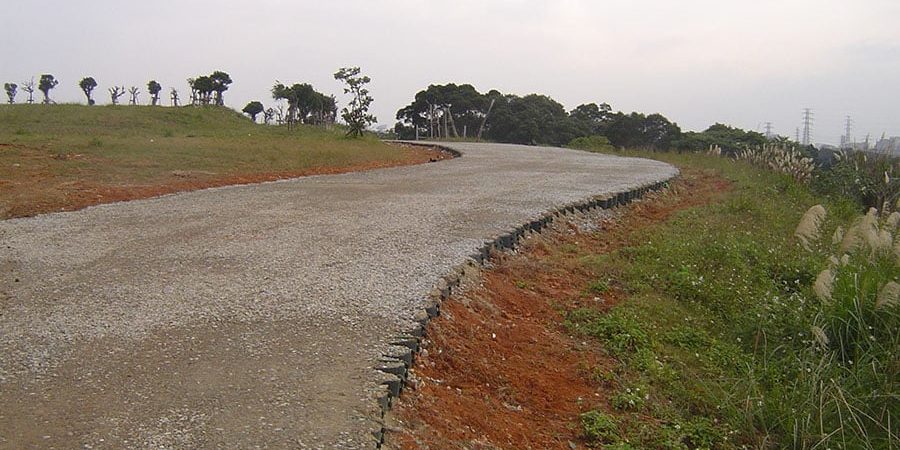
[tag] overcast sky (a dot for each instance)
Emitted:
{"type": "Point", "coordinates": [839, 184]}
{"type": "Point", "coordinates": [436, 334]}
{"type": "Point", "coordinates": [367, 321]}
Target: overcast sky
{"type": "Point", "coordinates": [695, 61]}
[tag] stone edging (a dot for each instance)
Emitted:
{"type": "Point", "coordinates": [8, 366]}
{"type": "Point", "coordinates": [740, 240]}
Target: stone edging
{"type": "Point", "coordinates": [396, 363]}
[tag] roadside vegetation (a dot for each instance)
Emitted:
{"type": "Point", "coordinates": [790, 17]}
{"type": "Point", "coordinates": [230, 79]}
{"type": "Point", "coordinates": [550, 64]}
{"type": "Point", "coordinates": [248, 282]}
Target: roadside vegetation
{"type": "Point", "coordinates": [741, 329]}
{"type": "Point", "coordinates": [69, 156]}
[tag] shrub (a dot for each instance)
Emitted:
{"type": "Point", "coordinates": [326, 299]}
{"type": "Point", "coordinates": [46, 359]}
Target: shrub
{"type": "Point", "coordinates": [595, 143]}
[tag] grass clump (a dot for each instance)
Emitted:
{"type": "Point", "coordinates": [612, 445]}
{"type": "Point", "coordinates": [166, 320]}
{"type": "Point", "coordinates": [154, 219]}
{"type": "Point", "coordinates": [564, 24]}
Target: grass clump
{"type": "Point", "coordinates": [745, 330]}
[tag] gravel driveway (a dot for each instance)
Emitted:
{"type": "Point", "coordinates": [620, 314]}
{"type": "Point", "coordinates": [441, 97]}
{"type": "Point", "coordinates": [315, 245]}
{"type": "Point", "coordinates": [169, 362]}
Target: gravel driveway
{"type": "Point", "coordinates": [251, 315]}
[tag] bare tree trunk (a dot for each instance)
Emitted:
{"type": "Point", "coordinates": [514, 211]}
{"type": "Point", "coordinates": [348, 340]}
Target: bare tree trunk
{"type": "Point", "coordinates": [452, 124]}
{"type": "Point", "coordinates": [484, 119]}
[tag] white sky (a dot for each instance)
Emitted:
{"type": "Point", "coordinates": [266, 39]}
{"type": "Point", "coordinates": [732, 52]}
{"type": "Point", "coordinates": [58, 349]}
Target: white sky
{"type": "Point", "coordinates": [695, 61]}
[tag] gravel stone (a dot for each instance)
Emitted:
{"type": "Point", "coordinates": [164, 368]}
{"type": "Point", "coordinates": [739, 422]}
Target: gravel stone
{"type": "Point", "coordinates": [253, 315]}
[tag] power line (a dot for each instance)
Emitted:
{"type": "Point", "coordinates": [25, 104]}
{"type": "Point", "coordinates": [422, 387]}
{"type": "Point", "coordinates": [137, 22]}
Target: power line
{"type": "Point", "coordinates": [807, 126]}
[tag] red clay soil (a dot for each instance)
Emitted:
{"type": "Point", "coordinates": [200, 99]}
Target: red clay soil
{"type": "Point", "coordinates": [43, 194]}
{"type": "Point", "coordinates": [499, 370]}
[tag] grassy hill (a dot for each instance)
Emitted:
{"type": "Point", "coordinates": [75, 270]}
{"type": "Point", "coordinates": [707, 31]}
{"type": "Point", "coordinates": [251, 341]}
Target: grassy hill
{"type": "Point", "coordinates": [61, 157]}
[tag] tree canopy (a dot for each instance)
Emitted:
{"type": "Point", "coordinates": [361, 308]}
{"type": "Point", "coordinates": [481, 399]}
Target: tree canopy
{"type": "Point", "coordinates": [11, 90]}
{"type": "Point", "coordinates": [154, 89]}
{"type": "Point", "coordinates": [87, 85]}
{"type": "Point", "coordinates": [451, 110]}
{"type": "Point", "coordinates": [253, 109]}
{"type": "Point", "coordinates": [46, 84]}
{"type": "Point", "coordinates": [305, 104]}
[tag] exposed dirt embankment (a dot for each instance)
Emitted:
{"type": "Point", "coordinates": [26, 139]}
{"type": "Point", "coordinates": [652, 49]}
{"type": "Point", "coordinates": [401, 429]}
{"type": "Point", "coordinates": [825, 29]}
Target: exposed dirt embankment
{"type": "Point", "coordinates": [499, 369]}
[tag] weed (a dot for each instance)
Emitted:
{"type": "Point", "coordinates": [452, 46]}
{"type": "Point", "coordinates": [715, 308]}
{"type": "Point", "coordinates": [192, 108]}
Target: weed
{"type": "Point", "coordinates": [599, 427]}
{"type": "Point", "coordinates": [598, 287]}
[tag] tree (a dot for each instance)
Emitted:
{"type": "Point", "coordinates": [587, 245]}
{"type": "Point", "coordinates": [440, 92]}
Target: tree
{"type": "Point", "coordinates": [268, 115]}
{"type": "Point", "coordinates": [356, 114]}
{"type": "Point", "coordinates": [444, 110]}
{"type": "Point", "coordinates": [115, 92]}
{"type": "Point", "coordinates": [534, 119]}
{"type": "Point", "coordinates": [28, 87]}
{"type": "Point", "coordinates": [591, 118]}
{"type": "Point", "coordinates": [134, 91]}
{"type": "Point", "coordinates": [202, 89]}
{"type": "Point", "coordinates": [11, 89]}
{"type": "Point", "coordinates": [154, 89]}
{"type": "Point", "coordinates": [87, 85]}
{"type": "Point", "coordinates": [305, 104]}
{"type": "Point", "coordinates": [173, 94]}
{"type": "Point", "coordinates": [45, 85]}
{"type": "Point", "coordinates": [219, 83]}
{"type": "Point", "coordinates": [252, 109]}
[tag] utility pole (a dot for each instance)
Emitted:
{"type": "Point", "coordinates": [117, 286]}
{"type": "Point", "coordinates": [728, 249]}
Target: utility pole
{"type": "Point", "coordinates": [807, 126]}
{"type": "Point", "coordinates": [768, 131]}
{"type": "Point", "coordinates": [848, 126]}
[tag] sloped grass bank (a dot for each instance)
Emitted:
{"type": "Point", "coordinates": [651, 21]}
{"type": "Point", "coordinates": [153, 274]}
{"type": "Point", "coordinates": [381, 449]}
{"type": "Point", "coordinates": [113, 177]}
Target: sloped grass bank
{"type": "Point", "coordinates": [723, 339]}
{"type": "Point", "coordinates": [62, 157]}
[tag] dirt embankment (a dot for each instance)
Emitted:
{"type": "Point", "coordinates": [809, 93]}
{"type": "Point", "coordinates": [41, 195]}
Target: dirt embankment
{"type": "Point", "coordinates": [499, 369]}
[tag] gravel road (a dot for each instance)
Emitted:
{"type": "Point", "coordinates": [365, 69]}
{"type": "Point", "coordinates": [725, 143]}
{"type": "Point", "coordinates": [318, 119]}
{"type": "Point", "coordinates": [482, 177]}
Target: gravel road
{"type": "Point", "coordinates": [251, 315]}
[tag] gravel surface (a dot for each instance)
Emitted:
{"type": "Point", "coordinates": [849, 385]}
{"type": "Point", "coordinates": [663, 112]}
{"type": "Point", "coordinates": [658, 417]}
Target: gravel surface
{"type": "Point", "coordinates": [251, 315]}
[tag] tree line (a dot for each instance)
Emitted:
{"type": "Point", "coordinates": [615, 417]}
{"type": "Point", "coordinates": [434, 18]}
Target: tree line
{"type": "Point", "coordinates": [304, 104]}
{"type": "Point", "coordinates": [205, 90]}
{"type": "Point", "coordinates": [460, 111]}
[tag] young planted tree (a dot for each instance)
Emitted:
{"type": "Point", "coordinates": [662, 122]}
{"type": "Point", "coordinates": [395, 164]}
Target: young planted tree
{"type": "Point", "coordinates": [115, 92]}
{"type": "Point", "coordinates": [11, 89]}
{"type": "Point", "coordinates": [174, 96]}
{"type": "Point", "coordinates": [28, 87]}
{"type": "Point", "coordinates": [268, 115]}
{"type": "Point", "coordinates": [356, 114]}
{"type": "Point", "coordinates": [133, 91]}
{"type": "Point", "coordinates": [87, 85]}
{"type": "Point", "coordinates": [154, 89]}
{"type": "Point", "coordinates": [45, 85]}
{"type": "Point", "coordinates": [253, 109]}
{"type": "Point", "coordinates": [219, 83]}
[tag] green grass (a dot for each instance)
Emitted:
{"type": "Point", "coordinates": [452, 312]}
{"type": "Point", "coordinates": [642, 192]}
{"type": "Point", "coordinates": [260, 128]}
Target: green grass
{"type": "Point", "coordinates": [717, 330]}
{"type": "Point", "coordinates": [59, 145]}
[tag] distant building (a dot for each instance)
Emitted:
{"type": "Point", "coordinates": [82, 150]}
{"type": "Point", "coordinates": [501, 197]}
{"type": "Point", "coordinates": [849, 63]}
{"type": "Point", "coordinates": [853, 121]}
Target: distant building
{"type": "Point", "coordinates": [890, 145]}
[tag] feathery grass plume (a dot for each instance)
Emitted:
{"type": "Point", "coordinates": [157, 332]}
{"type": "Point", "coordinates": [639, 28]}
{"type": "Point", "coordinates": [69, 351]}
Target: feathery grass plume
{"type": "Point", "coordinates": [808, 228]}
{"type": "Point", "coordinates": [852, 239]}
{"type": "Point", "coordinates": [838, 235]}
{"type": "Point", "coordinates": [897, 251]}
{"type": "Point", "coordinates": [824, 285]}
{"type": "Point", "coordinates": [888, 296]}
{"type": "Point", "coordinates": [845, 260]}
{"type": "Point", "coordinates": [820, 337]}
{"type": "Point", "coordinates": [833, 261]}
{"type": "Point", "coordinates": [876, 239]}
{"type": "Point", "coordinates": [885, 240]}
{"type": "Point", "coordinates": [892, 221]}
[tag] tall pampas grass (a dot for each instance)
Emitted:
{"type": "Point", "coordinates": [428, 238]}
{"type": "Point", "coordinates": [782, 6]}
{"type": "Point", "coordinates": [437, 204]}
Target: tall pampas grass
{"type": "Point", "coordinates": [809, 229]}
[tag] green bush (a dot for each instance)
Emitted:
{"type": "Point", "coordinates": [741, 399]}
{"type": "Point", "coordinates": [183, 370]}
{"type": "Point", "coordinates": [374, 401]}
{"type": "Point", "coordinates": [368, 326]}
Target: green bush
{"type": "Point", "coordinates": [596, 143]}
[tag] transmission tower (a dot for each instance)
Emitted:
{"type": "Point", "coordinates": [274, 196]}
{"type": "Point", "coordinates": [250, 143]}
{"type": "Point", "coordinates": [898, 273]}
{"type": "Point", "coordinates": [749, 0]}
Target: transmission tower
{"type": "Point", "coordinates": [807, 126]}
{"type": "Point", "coordinates": [848, 126]}
{"type": "Point", "coordinates": [797, 138]}
{"type": "Point", "coordinates": [769, 131]}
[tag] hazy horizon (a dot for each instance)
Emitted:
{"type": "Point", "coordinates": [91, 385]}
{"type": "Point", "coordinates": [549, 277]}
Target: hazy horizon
{"type": "Point", "coordinates": [696, 62]}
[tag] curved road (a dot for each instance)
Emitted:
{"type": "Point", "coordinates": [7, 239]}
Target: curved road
{"type": "Point", "coordinates": [251, 315]}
